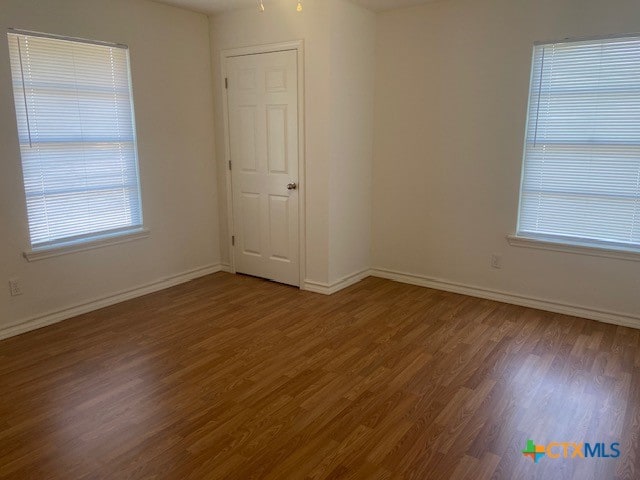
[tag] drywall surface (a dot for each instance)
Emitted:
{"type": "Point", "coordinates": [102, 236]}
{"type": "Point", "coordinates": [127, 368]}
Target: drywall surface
{"type": "Point", "coordinates": [281, 23]}
{"type": "Point", "coordinates": [352, 91]}
{"type": "Point", "coordinates": [338, 50]}
{"type": "Point", "coordinates": [171, 73]}
{"type": "Point", "coordinates": [452, 83]}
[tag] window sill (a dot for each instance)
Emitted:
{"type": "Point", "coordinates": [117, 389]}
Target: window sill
{"type": "Point", "coordinates": [65, 249]}
{"type": "Point", "coordinates": [575, 247]}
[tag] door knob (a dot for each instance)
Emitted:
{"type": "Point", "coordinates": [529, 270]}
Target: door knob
{"type": "Point", "coordinates": [292, 186]}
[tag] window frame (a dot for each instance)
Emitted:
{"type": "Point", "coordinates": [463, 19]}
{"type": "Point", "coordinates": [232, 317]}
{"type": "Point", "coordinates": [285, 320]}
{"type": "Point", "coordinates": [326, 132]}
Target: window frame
{"type": "Point", "coordinates": [561, 243]}
{"type": "Point", "coordinates": [98, 239]}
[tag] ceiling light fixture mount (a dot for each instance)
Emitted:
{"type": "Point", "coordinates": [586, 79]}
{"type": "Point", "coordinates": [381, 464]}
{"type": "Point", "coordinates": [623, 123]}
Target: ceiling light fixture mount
{"type": "Point", "coordinates": [261, 6]}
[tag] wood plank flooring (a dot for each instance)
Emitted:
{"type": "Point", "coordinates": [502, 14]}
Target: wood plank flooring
{"type": "Point", "coordinates": [234, 377]}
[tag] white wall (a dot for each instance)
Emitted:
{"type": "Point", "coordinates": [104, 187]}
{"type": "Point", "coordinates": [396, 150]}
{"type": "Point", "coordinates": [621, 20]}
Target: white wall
{"type": "Point", "coordinates": [279, 23]}
{"type": "Point", "coordinates": [339, 42]}
{"type": "Point", "coordinates": [171, 73]}
{"type": "Point", "coordinates": [451, 98]}
{"type": "Point", "coordinates": [451, 83]}
{"type": "Point", "coordinates": [352, 92]}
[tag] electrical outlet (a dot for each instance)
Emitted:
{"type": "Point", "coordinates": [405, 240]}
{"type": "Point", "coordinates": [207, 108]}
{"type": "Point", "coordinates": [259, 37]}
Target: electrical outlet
{"type": "Point", "coordinates": [496, 261]}
{"type": "Point", "coordinates": [14, 287]}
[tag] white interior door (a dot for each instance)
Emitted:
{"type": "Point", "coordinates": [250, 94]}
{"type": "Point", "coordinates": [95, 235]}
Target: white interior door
{"type": "Point", "coordinates": [262, 96]}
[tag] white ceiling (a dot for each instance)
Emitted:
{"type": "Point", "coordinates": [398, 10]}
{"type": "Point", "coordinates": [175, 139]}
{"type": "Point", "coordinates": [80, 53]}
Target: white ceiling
{"type": "Point", "coordinates": [216, 6]}
{"type": "Point", "coordinates": [380, 5]}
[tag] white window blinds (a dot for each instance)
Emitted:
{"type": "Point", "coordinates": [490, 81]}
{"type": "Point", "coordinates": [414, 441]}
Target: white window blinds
{"type": "Point", "coordinates": [77, 138]}
{"type": "Point", "coordinates": [581, 177]}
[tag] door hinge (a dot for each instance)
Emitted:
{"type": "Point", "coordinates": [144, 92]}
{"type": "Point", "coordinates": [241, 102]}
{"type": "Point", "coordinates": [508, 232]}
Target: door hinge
{"type": "Point", "coordinates": [226, 83]}
{"type": "Point", "coordinates": [233, 240]}
{"type": "Point", "coordinates": [229, 164]}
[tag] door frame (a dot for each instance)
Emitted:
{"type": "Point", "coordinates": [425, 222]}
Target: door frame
{"type": "Point", "coordinates": [298, 46]}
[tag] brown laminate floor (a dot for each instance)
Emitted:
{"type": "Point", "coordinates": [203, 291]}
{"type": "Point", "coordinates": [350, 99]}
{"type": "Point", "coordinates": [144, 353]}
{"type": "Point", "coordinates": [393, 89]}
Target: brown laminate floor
{"type": "Point", "coordinates": [234, 377]}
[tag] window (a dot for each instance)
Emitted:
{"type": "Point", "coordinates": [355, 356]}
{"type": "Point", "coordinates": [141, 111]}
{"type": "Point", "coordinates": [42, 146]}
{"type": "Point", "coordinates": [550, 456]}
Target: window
{"type": "Point", "coordinates": [581, 174]}
{"type": "Point", "coordinates": [77, 139]}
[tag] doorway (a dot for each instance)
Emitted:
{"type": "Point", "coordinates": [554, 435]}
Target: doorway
{"type": "Point", "coordinates": [264, 146]}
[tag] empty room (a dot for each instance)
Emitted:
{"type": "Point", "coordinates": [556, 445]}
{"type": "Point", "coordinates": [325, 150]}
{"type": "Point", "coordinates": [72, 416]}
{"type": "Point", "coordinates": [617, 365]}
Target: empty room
{"type": "Point", "coordinates": [320, 239]}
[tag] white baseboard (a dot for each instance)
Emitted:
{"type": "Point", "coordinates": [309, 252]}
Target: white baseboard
{"type": "Point", "coordinates": [101, 302]}
{"type": "Point", "coordinates": [615, 318]}
{"type": "Point", "coordinates": [50, 318]}
{"type": "Point", "coordinates": [331, 288]}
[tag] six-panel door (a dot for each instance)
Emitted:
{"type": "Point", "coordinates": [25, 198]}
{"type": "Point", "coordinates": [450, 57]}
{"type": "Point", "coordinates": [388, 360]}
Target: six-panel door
{"type": "Point", "coordinates": [263, 135]}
